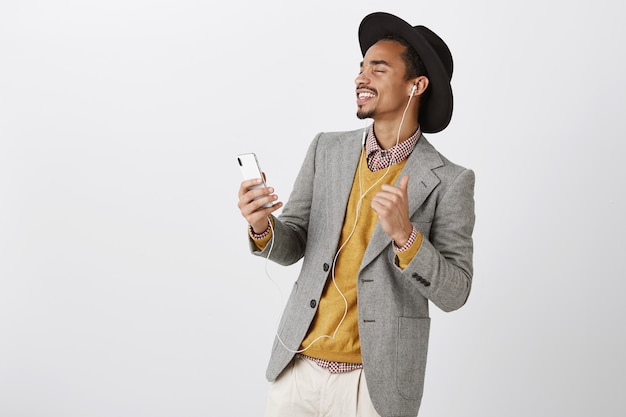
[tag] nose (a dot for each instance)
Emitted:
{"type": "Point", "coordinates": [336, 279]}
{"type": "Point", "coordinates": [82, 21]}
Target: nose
{"type": "Point", "coordinates": [361, 79]}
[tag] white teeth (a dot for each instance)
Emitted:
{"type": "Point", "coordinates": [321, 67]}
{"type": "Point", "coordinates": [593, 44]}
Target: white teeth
{"type": "Point", "coordinates": [366, 95]}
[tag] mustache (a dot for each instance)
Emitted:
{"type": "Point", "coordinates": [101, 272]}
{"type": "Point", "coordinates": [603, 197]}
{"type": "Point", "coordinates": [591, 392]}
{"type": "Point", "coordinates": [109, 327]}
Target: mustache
{"type": "Point", "coordinates": [362, 87]}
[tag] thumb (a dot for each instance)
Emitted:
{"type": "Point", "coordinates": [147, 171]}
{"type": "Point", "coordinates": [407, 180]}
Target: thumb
{"type": "Point", "coordinates": [404, 183]}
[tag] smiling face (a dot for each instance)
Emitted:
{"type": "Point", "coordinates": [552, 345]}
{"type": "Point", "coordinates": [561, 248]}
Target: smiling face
{"type": "Point", "coordinates": [382, 89]}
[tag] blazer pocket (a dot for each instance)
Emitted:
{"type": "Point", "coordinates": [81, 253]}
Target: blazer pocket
{"type": "Point", "coordinates": [411, 356]}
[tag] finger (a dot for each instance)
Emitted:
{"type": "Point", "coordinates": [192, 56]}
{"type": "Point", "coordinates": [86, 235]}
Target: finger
{"type": "Point", "coordinates": [381, 202]}
{"type": "Point", "coordinates": [404, 183]}
{"type": "Point", "coordinates": [247, 198]}
{"type": "Point", "coordinates": [262, 212]}
{"type": "Point", "coordinates": [258, 203]}
{"type": "Point", "coordinates": [247, 184]}
{"type": "Point", "coordinates": [254, 211]}
{"type": "Point", "coordinates": [388, 195]}
{"type": "Point", "coordinates": [255, 193]}
{"type": "Point", "coordinates": [389, 189]}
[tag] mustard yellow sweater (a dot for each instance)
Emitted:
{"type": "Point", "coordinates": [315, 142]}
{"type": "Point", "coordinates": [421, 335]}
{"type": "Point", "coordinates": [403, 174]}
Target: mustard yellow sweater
{"type": "Point", "coordinates": [324, 340]}
{"type": "Point", "coordinates": [327, 338]}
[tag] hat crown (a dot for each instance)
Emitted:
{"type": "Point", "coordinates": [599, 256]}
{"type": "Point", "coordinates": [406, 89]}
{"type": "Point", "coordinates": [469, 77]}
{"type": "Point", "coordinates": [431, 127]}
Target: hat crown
{"type": "Point", "coordinates": [439, 46]}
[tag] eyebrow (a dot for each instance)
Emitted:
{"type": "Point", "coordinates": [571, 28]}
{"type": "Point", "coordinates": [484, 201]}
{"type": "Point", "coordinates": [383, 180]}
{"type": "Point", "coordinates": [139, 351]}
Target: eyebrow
{"type": "Point", "coordinates": [377, 62]}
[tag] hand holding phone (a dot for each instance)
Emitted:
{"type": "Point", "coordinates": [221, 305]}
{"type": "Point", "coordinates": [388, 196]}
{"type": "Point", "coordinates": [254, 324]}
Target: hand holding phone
{"type": "Point", "coordinates": [250, 169]}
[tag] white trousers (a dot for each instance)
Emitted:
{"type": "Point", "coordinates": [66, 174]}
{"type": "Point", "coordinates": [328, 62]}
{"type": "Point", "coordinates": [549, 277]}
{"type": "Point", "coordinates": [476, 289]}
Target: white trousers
{"type": "Point", "coordinates": [305, 389]}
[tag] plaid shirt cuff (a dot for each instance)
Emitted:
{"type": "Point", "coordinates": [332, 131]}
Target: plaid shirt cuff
{"type": "Point", "coordinates": [408, 243]}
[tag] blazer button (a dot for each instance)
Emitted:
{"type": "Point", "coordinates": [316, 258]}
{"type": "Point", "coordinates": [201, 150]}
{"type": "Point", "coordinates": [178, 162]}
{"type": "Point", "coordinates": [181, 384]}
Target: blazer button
{"type": "Point", "coordinates": [326, 267]}
{"type": "Point", "coordinates": [415, 275]}
{"type": "Point", "coordinates": [426, 283]}
{"type": "Point", "coordinates": [313, 303]}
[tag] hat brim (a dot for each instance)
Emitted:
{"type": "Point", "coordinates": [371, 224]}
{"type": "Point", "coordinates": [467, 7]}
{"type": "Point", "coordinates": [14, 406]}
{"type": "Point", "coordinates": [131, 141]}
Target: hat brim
{"type": "Point", "coordinates": [437, 112]}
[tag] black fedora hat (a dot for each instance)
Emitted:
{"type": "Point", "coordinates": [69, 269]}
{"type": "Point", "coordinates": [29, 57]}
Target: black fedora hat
{"type": "Point", "coordinates": [436, 111]}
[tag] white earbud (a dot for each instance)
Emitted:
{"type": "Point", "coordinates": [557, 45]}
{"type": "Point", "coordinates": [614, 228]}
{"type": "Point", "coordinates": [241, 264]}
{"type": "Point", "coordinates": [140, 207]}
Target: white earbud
{"type": "Point", "coordinates": [413, 89]}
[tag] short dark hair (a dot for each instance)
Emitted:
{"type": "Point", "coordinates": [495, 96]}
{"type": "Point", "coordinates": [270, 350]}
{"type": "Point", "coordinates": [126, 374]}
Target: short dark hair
{"type": "Point", "coordinates": [412, 61]}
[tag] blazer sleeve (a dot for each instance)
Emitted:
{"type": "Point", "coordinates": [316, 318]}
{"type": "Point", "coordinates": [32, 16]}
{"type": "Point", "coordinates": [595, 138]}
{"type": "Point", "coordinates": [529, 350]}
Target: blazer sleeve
{"type": "Point", "coordinates": [291, 227]}
{"type": "Point", "coordinates": [442, 269]}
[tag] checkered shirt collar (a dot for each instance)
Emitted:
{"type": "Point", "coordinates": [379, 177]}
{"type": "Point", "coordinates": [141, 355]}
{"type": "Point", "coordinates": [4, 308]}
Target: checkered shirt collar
{"type": "Point", "coordinates": [378, 158]}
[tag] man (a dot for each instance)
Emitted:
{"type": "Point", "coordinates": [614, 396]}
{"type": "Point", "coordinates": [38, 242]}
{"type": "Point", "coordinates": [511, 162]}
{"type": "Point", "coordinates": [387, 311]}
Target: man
{"type": "Point", "coordinates": [384, 225]}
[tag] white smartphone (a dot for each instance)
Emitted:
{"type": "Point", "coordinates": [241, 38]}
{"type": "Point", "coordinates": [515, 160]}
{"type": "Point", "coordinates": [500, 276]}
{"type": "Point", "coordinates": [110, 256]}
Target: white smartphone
{"type": "Point", "coordinates": [250, 168]}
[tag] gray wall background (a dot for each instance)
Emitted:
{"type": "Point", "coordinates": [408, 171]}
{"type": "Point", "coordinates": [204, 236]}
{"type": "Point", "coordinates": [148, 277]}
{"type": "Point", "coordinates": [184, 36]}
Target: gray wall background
{"type": "Point", "coordinates": [126, 288]}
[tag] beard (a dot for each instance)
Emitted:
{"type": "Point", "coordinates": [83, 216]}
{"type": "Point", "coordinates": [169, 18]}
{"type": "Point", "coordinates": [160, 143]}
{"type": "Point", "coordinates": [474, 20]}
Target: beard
{"type": "Point", "coordinates": [361, 114]}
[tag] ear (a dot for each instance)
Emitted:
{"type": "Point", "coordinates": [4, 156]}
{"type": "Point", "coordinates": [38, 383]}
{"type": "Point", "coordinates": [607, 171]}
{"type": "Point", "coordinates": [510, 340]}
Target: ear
{"type": "Point", "coordinates": [420, 83]}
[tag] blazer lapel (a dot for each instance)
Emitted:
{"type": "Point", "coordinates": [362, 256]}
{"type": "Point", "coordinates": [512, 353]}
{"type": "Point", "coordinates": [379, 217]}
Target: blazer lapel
{"type": "Point", "coordinates": [422, 181]}
{"type": "Point", "coordinates": [340, 178]}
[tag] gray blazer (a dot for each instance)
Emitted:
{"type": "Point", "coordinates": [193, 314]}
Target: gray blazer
{"type": "Point", "coordinates": [393, 303]}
